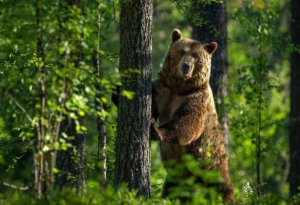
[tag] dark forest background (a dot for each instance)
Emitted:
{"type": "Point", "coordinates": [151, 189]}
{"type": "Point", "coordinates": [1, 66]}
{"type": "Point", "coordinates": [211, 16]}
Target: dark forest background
{"type": "Point", "coordinates": [61, 60]}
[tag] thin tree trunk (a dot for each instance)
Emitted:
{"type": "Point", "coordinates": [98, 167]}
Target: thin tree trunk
{"type": "Point", "coordinates": [214, 28]}
{"type": "Point", "coordinates": [294, 178]}
{"type": "Point", "coordinates": [133, 141]}
{"type": "Point", "coordinates": [71, 163]}
{"type": "Point", "coordinates": [40, 164]}
{"type": "Point", "coordinates": [102, 158]}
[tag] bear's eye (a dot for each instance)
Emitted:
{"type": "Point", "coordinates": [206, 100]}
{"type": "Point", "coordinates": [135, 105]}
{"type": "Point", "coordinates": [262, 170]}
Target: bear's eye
{"type": "Point", "coordinates": [198, 60]}
{"type": "Point", "coordinates": [182, 52]}
{"type": "Point", "coordinates": [195, 55]}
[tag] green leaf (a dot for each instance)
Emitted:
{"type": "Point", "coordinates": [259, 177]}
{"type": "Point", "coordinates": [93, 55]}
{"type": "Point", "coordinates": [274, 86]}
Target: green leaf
{"type": "Point", "coordinates": [128, 94]}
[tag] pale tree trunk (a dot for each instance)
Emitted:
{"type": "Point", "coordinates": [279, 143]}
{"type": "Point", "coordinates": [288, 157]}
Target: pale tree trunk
{"type": "Point", "coordinates": [133, 141]}
{"type": "Point", "coordinates": [294, 178]}
{"type": "Point", "coordinates": [41, 172]}
{"type": "Point", "coordinates": [102, 157]}
{"type": "Point", "coordinates": [214, 28]}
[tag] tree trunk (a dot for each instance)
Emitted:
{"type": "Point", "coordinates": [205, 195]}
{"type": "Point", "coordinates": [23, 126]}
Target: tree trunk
{"type": "Point", "coordinates": [71, 163]}
{"type": "Point", "coordinates": [214, 28]}
{"type": "Point", "coordinates": [133, 141]}
{"type": "Point", "coordinates": [294, 178]}
{"type": "Point", "coordinates": [41, 172]}
{"type": "Point", "coordinates": [102, 157]}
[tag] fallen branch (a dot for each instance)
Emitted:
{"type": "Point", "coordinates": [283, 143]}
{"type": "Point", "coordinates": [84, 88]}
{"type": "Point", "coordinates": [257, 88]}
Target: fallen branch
{"type": "Point", "coordinates": [21, 188]}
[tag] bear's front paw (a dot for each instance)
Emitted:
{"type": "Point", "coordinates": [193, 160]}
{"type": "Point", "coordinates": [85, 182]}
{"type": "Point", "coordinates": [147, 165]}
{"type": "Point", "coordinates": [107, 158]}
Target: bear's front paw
{"type": "Point", "coordinates": [155, 133]}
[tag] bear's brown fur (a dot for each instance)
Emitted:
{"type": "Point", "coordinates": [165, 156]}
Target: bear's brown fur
{"type": "Point", "coordinates": [183, 102]}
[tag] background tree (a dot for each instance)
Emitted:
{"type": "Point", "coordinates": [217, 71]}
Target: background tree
{"type": "Point", "coordinates": [102, 136]}
{"type": "Point", "coordinates": [41, 170]}
{"type": "Point", "coordinates": [294, 179]}
{"type": "Point", "coordinates": [210, 24]}
{"type": "Point", "coordinates": [133, 141]}
{"type": "Point", "coordinates": [71, 162]}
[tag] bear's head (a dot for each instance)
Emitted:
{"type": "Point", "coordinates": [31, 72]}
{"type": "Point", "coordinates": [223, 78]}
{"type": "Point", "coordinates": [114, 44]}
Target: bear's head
{"type": "Point", "coordinates": [188, 61]}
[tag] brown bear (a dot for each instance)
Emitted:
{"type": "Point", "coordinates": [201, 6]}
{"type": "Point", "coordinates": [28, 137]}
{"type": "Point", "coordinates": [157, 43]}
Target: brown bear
{"type": "Point", "coordinates": [183, 104]}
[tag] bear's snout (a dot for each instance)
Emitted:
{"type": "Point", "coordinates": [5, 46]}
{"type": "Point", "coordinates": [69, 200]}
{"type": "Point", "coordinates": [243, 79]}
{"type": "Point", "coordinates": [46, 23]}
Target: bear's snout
{"type": "Point", "coordinates": [185, 68]}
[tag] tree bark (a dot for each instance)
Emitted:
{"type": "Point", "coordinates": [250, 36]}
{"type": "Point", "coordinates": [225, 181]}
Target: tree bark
{"type": "Point", "coordinates": [133, 141]}
{"type": "Point", "coordinates": [294, 178]}
{"type": "Point", "coordinates": [71, 163]}
{"type": "Point", "coordinates": [214, 28]}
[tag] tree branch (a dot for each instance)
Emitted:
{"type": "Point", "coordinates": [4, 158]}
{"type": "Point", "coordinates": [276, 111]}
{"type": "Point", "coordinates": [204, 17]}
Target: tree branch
{"type": "Point", "coordinates": [21, 107]}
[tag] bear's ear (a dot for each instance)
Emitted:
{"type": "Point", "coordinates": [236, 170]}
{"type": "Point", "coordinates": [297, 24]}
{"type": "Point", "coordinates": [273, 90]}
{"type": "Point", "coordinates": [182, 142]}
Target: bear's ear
{"type": "Point", "coordinates": [176, 35]}
{"type": "Point", "coordinates": [211, 47]}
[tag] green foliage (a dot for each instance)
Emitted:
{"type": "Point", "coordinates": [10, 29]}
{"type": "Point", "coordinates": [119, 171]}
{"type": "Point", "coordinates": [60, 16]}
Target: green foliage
{"type": "Point", "coordinates": [193, 184]}
{"type": "Point", "coordinates": [257, 99]}
{"type": "Point", "coordinates": [55, 197]}
{"type": "Point", "coordinates": [71, 81]}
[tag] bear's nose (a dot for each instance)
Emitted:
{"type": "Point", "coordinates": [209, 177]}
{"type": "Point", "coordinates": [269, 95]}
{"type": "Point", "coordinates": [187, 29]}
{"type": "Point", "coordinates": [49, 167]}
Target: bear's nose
{"type": "Point", "coordinates": [185, 68]}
